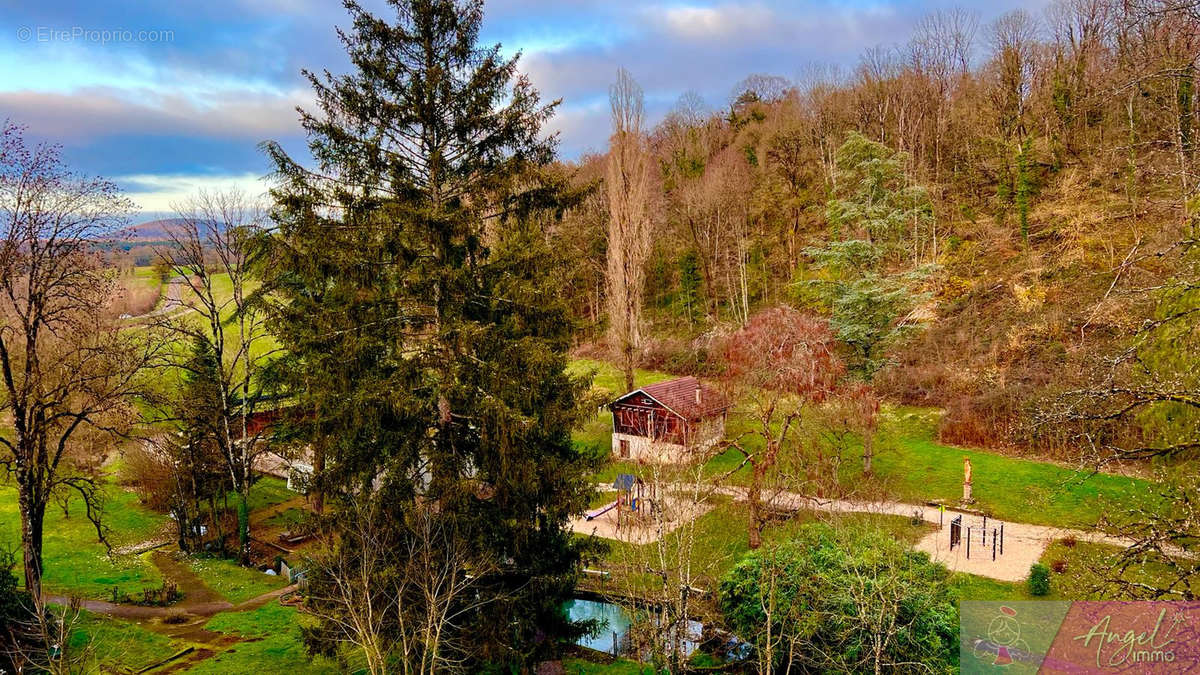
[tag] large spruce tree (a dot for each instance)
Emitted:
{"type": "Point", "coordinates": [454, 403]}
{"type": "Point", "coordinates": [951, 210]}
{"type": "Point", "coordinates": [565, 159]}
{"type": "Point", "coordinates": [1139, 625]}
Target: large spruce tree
{"type": "Point", "coordinates": [426, 341]}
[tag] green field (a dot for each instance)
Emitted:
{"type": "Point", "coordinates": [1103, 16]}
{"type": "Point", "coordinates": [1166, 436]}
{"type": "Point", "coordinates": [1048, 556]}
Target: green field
{"type": "Point", "coordinates": [110, 645]}
{"type": "Point", "coordinates": [75, 563]}
{"type": "Point", "coordinates": [270, 642]}
{"type": "Point", "coordinates": [235, 583]}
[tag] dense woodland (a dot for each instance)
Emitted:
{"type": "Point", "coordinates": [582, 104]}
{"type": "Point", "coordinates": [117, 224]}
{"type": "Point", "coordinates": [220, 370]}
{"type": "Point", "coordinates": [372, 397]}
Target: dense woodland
{"type": "Point", "coordinates": [984, 211]}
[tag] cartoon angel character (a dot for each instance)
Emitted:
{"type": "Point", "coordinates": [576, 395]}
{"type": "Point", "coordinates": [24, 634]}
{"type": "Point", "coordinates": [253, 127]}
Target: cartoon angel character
{"type": "Point", "coordinates": [1004, 636]}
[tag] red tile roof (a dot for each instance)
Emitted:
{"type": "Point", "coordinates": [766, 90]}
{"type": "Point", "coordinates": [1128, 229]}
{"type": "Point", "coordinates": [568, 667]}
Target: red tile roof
{"type": "Point", "coordinates": [680, 396]}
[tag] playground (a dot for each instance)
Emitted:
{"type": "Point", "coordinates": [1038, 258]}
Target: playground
{"type": "Point", "coordinates": [639, 512]}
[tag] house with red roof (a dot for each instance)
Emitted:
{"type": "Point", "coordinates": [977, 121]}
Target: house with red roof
{"type": "Point", "coordinates": [668, 421]}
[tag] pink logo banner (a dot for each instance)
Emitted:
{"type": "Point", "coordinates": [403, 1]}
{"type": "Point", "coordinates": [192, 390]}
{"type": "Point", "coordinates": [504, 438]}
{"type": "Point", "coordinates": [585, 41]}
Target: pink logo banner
{"type": "Point", "coordinates": [1080, 637]}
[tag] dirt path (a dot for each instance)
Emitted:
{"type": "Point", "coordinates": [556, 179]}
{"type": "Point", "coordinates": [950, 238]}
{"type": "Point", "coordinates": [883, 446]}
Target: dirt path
{"type": "Point", "coordinates": [1023, 543]}
{"type": "Point", "coordinates": [198, 601]}
{"type": "Point", "coordinates": [173, 301]}
{"type": "Point", "coordinates": [200, 609]}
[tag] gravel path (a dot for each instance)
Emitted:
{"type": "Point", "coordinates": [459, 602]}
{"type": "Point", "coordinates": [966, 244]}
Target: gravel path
{"type": "Point", "coordinates": [1023, 543]}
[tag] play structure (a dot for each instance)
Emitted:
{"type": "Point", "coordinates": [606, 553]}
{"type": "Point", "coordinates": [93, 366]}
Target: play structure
{"type": "Point", "coordinates": [958, 540]}
{"type": "Point", "coordinates": [634, 500]}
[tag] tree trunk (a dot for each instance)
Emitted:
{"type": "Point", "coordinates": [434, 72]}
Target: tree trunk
{"type": "Point", "coordinates": [754, 497]}
{"type": "Point", "coordinates": [628, 365]}
{"type": "Point", "coordinates": [318, 500]}
{"type": "Point", "coordinates": [244, 526]}
{"type": "Point", "coordinates": [33, 514]}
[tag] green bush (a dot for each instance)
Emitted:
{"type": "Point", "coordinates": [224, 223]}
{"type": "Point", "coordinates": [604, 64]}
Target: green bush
{"type": "Point", "coordinates": [832, 593]}
{"type": "Point", "coordinates": [1039, 580]}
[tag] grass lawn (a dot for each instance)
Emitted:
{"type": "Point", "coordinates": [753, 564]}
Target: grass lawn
{"type": "Point", "coordinates": [288, 519]}
{"type": "Point", "coordinates": [268, 491]}
{"type": "Point", "coordinates": [916, 467]}
{"type": "Point", "coordinates": [619, 667]}
{"type": "Point", "coordinates": [119, 646]}
{"type": "Point", "coordinates": [74, 562]}
{"type": "Point", "coordinates": [236, 583]}
{"type": "Point", "coordinates": [143, 277]}
{"type": "Point", "coordinates": [271, 643]}
{"type": "Point", "coordinates": [1072, 576]}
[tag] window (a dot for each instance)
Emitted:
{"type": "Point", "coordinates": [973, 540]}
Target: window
{"type": "Point", "coordinates": [625, 449]}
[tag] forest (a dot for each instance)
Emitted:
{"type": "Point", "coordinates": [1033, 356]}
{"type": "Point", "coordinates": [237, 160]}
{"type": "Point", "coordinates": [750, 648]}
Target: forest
{"type": "Point", "coordinates": [986, 213]}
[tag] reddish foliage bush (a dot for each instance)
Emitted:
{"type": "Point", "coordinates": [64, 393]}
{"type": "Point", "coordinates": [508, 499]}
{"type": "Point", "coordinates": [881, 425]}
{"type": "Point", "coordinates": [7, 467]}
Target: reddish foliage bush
{"type": "Point", "coordinates": [786, 350]}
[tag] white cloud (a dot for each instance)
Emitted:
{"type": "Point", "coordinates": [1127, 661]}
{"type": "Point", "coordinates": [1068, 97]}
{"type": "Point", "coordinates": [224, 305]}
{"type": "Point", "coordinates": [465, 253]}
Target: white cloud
{"type": "Point", "coordinates": [726, 21]}
{"type": "Point", "coordinates": [162, 193]}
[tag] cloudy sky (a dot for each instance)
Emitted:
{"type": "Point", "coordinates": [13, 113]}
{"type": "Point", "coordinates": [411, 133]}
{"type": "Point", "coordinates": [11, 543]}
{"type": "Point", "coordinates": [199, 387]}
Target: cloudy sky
{"type": "Point", "coordinates": [167, 97]}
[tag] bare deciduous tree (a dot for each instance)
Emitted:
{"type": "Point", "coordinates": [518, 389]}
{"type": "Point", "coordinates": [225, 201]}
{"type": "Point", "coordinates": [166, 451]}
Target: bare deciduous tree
{"type": "Point", "coordinates": [780, 362]}
{"type": "Point", "coordinates": [629, 225]}
{"type": "Point", "coordinates": [665, 562]}
{"type": "Point", "coordinates": [396, 594]}
{"type": "Point", "coordinates": [211, 255]}
{"type": "Point", "coordinates": [69, 373]}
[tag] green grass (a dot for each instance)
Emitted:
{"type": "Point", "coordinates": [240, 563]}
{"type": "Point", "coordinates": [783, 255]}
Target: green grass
{"type": "Point", "coordinates": [619, 667]}
{"type": "Point", "coordinates": [262, 346]}
{"type": "Point", "coordinates": [144, 277]}
{"type": "Point", "coordinates": [288, 519]}
{"type": "Point", "coordinates": [269, 491]}
{"type": "Point", "coordinates": [722, 536]}
{"type": "Point", "coordinates": [118, 646]}
{"type": "Point", "coordinates": [271, 643]}
{"type": "Point", "coordinates": [1076, 581]}
{"type": "Point", "coordinates": [74, 562]}
{"type": "Point", "coordinates": [917, 468]}
{"type": "Point", "coordinates": [236, 583]}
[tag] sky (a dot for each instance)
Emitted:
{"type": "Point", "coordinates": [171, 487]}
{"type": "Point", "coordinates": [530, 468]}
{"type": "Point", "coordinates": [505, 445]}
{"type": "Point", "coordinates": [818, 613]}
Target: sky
{"type": "Point", "coordinates": [169, 97]}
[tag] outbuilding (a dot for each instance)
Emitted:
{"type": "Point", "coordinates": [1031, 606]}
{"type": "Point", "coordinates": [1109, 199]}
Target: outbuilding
{"type": "Point", "coordinates": [668, 421]}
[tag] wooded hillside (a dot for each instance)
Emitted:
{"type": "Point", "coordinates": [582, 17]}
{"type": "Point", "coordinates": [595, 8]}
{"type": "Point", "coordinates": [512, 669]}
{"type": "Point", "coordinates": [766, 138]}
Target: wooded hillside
{"type": "Point", "coordinates": [980, 210]}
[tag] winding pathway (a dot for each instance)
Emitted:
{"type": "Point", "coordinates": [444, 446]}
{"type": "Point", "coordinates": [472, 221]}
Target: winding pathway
{"type": "Point", "coordinates": [1023, 543]}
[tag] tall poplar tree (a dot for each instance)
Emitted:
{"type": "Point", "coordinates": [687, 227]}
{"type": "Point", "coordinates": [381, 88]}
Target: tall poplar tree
{"type": "Point", "coordinates": [425, 337]}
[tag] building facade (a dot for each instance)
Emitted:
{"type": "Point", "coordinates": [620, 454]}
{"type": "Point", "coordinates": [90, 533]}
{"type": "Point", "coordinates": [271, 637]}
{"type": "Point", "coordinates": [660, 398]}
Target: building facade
{"type": "Point", "coordinates": [668, 422]}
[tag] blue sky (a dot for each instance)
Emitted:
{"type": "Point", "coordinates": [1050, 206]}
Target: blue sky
{"type": "Point", "coordinates": [176, 95]}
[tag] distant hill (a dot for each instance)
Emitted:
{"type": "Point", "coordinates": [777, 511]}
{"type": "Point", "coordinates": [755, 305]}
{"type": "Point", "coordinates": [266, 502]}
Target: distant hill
{"type": "Point", "coordinates": [152, 230]}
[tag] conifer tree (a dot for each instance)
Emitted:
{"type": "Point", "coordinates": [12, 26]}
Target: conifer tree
{"type": "Point", "coordinates": [425, 336]}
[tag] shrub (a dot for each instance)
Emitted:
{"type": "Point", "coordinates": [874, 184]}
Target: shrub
{"type": "Point", "coordinates": [828, 589]}
{"type": "Point", "coordinates": [680, 357]}
{"type": "Point", "coordinates": [16, 615]}
{"type": "Point", "coordinates": [135, 301]}
{"type": "Point", "coordinates": [1059, 566]}
{"type": "Point", "coordinates": [149, 476]}
{"type": "Point", "coordinates": [1069, 541]}
{"type": "Point", "coordinates": [175, 618]}
{"type": "Point", "coordinates": [1039, 580]}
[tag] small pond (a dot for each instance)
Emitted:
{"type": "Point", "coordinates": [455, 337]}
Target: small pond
{"type": "Point", "coordinates": [615, 623]}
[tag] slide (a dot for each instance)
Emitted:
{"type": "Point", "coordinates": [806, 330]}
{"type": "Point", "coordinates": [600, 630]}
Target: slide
{"type": "Point", "coordinates": [600, 511]}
